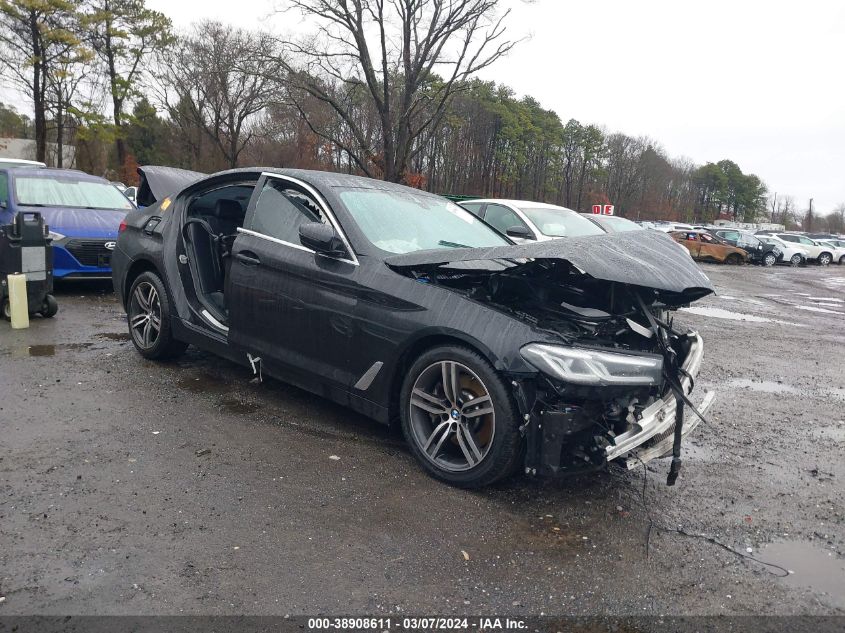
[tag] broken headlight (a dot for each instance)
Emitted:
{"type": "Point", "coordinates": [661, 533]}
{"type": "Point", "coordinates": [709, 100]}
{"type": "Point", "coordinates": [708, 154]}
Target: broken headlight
{"type": "Point", "coordinates": [594, 367]}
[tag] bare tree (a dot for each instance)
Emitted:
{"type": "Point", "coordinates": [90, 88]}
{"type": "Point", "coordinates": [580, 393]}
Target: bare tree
{"type": "Point", "coordinates": [836, 220]}
{"type": "Point", "coordinates": [407, 57]}
{"type": "Point", "coordinates": [219, 79]}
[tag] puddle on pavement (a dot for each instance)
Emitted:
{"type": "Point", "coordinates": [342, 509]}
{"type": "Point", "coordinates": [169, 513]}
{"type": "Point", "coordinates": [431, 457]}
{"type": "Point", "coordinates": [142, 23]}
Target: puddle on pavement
{"type": "Point", "coordinates": [203, 383]}
{"type": "Point", "coordinates": [835, 433]}
{"type": "Point", "coordinates": [721, 313]}
{"type": "Point", "coordinates": [766, 386]}
{"type": "Point", "coordinates": [819, 309]}
{"type": "Point", "coordinates": [816, 569]}
{"type": "Point", "coordinates": [113, 336]}
{"type": "Point", "coordinates": [237, 407]}
{"type": "Point", "coordinates": [49, 350]}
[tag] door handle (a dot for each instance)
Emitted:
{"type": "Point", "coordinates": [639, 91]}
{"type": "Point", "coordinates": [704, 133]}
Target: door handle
{"type": "Point", "coordinates": [248, 258]}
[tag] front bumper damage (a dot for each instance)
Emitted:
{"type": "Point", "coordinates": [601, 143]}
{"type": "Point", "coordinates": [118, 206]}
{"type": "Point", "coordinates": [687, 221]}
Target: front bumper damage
{"type": "Point", "coordinates": [649, 432]}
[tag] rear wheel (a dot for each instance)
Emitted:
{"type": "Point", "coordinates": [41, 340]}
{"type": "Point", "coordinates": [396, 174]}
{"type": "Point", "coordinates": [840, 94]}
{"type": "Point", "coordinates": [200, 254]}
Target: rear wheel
{"type": "Point", "coordinates": [148, 315]}
{"type": "Point", "coordinates": [733, 259]}
{"type": "Point", "coordinates": [842, 261]}
{"type": "Point", "coordinates": [7, 310]}
{"type": "Point", "coordinates": [769, 259]}
{"type": "Point", "coordinates": [459, 418]}
{"type": "Point", "coordinates": [796, 259]}
{"type": "Point", "coordinates": [824, 259]}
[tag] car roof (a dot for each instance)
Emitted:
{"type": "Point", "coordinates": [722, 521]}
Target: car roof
{"type": "Point", "coordinates": [521, 203]}
{"type": "Point", "coordinates": [54, 171]}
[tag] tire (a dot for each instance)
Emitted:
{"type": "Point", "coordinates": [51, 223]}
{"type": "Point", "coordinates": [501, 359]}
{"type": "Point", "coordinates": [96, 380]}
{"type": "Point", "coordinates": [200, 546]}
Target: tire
{"type": "Point", "coordinates": [733, 259]}
{"type": "Point", "coordinates": [769, 259]}
{"type": "Point", "coordinates": [50, 307]}
{"type": "Point", "coordinates": [7, 310]}
{"type": "Point", "coordinates": [842, 261]}
{"type": "Point", "coordinates": [148, 309]}
{"type": "Point", "coordinates": [824, 259]}
{"type": "Point", "coordinates": [796, 260]}
{"type": "Point", "coordinates": [468, 451]}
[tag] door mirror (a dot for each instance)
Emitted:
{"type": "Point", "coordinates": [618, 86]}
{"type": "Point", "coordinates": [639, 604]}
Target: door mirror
{"type": "Point", "coordinates": [521, 232]}
{"type": "Point", "coordinates": [321, 238]}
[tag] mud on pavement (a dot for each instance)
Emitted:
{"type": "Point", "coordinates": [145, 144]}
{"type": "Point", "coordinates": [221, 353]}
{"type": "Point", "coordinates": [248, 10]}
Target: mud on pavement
{"type": "Point", "coordinates": [134, 487]}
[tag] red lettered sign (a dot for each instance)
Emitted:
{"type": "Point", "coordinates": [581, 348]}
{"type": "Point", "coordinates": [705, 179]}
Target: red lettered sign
{"type": "Point", "coordinates": [597, 209]}
{"type": "Point", "coordinates": [608, 209]}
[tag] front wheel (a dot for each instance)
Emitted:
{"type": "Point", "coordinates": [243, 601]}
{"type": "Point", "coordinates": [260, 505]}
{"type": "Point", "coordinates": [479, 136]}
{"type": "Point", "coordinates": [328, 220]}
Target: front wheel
{"type": "Point", "coordinates": [824, 259]}
{"type": "Point", "coordinates": [770, 259]}
{"type": "Point", "coordinates": [50, 307]}
{"type": "Point", "coordinates": [733, 259]}
{"type": "Point", "coordinates": [796, 259]}
{"type": "Point", "coordinates": [842, 261]}
{"type": "Point", "coordinates": [148, 315]}
{"type": "Point", "coordinates": [459, 418]}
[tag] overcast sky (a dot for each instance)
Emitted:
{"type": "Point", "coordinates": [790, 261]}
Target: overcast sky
{"type": "Point", "coordinates": [760, 83]}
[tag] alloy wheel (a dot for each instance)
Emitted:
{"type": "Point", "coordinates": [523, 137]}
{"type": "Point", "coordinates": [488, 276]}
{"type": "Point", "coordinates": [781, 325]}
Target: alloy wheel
{"type": "Point", "coordinates": [452, 416]}
{"type": "Point", "coordinates": [796, 259]}
{"type": "Point", "coordinates": [824, 259]}
{"type": "Point", "coordinates": [145, 315]}
{"type": "Point", "coordinates": [770, 260]}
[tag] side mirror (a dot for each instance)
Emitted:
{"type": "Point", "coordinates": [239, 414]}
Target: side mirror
{"type": "Point", "coordinates": [521, 232]}
{"type": "Point", "coordinates": [321, 238]}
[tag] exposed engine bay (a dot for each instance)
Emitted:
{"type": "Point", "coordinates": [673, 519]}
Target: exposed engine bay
{"type": "Point", "coordinates": [571, 426]}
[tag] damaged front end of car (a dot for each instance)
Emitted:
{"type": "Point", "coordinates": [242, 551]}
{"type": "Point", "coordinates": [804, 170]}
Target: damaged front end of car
{"type": "Point", "coordinates": [613, 375]}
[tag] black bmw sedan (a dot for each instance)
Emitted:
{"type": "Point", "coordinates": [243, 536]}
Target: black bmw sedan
{"type": "Point", "coordinates": [547, 357]}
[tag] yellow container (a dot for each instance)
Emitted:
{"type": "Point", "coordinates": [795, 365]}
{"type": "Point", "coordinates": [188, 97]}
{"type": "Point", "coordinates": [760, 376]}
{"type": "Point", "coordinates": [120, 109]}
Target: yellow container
{"type": "Point", "coordinates": [18, 301]}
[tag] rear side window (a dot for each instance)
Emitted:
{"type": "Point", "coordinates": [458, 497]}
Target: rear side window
{"type": "Point", "coordinates": [280, 210]}
{"type": "Point", "coordinates": [473, 207]}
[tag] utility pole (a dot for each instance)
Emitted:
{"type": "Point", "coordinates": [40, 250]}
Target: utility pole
{"type": "Point", "coordinates": [809, 222]}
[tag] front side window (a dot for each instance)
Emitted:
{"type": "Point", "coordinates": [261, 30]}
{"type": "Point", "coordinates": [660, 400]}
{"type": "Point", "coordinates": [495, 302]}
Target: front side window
{"type": "Point", "coordinates": [68, 191]}
{"type": "Point", "coordinates": [560, 222]}
{"type": "Point", "coordinates": [280, 210]}
{"type": "Point", "coordinates": [502, 218]}
{"type": "Point", "coordinates": [403, 221]}
{"type": "Point", "coordinates": [4, 189]}
{"type": "Point", "coordinates": [790, 238]}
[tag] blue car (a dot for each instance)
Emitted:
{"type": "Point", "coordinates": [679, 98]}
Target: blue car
{"type": "Point", "coordinates": [83, 213]}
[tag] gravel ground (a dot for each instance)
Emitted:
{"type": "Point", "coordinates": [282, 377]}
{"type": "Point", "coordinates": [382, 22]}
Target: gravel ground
{"type": "Point", "coordinates": [130, 487]}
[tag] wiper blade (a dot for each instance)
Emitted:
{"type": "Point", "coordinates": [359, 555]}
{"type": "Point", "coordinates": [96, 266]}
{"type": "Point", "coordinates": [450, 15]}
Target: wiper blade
{"type": "Point", "coordinates": [451, 244]}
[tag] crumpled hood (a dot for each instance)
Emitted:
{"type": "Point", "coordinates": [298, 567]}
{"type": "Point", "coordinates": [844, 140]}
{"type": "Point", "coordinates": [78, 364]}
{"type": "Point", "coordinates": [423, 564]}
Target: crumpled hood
{"type": "Point", "coordinates": [158, 182]}
{"type": "Point", "coordinates": [76, 222]}
{"type": "Point", "coordinates": [649, 259]}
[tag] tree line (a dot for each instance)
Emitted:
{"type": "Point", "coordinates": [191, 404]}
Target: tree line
{"type": "Point", "coordinates": [388, 90]}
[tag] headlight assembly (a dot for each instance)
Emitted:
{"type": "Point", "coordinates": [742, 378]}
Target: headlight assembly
{"type": "Point", "coordinates": [592, 367]}
{"type": "Point", "coordinates": [55, 236]}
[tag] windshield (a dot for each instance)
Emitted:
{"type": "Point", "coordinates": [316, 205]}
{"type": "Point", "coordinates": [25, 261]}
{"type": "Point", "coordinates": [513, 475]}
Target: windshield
{"type": "Point", "coordinates": [560, 222]}
{"type": "Point", "coordinates": [619, 225]}
{"type": "Point", "coordinates": [745, 239]}
{"type": "Point", "coordinates": [403, 222]}
{"type": "Point", "coordinates": [64, 191]}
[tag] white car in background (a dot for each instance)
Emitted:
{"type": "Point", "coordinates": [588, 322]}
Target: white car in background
{"type": "Point", "coordinates": [524, 221]}
{"type": "Point", "coordinates": [838, 247]}
{"type": "Point", "coordinates": [790, 253]}
{"type": "Point", "coordinates": [822, 253]}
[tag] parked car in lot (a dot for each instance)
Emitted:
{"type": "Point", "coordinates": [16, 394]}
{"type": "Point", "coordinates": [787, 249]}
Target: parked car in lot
{"type": "Point", "coordinates": [492, 356]}
{"type": "Point", "coordinates": [791, 253]}
{"type": "Point", "coordinates": [704, 246]}
{"type": "Point", "coordinates": [816, 251]}
{"type": "Point", "coordinates": [616, 224]}
{"type": "Point", "coordinates": [82, 211]}
{"type": "Point", "coordinates": [524, 220]}
{"type": "Point", "coordinates": [759, 252]}
{"type": "Point", "coordinates": [613, 223]}
{"type": "Point", "coordinates": [16, 163]}
{"type": "Point", "coordinates": [837, 249]}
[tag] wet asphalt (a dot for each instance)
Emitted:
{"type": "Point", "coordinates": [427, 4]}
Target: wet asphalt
{"type": "Point", "coordinates": [134, 487]}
